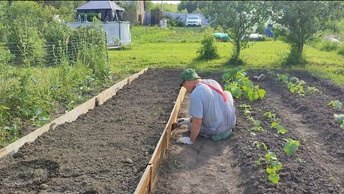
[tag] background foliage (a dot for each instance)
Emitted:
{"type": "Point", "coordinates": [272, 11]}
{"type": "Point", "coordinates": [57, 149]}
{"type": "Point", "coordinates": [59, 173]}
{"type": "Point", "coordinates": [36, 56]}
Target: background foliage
{"type": "Point", "coordinates": [47, 68]}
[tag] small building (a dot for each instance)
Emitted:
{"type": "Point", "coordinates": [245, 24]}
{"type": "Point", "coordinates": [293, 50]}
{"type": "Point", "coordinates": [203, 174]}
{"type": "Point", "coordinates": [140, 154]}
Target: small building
{"type": "Point", "coordinates": [105, 11]}
{"type": "Point", "coordinates": [111, 15]}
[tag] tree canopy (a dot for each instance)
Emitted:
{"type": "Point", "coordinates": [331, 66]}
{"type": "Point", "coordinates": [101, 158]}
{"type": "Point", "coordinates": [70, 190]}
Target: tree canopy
{"type": "Point", "coordinates": [302, 19]}
{"type": "Point", "coordinates": [236, 18]}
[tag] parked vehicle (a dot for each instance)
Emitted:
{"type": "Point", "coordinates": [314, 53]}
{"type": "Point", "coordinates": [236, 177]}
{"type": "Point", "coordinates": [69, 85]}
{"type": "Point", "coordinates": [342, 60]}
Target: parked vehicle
{"type": "Point", "coordinates": [253, 37]}
{"type": "Point", "coordinates": [193, 20]}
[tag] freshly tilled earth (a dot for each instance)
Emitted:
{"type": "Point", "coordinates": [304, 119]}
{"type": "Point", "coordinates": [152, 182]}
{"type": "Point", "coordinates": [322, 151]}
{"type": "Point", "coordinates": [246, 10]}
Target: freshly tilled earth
{"type": "Point", "coordinates": [107, 149]}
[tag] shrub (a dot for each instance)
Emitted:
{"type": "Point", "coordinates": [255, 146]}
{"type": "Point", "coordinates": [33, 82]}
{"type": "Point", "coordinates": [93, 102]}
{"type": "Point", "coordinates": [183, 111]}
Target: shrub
{"type": "Point", "coordinates": [328, 46]}
{"type": "Point", "coordinates": [341, 49]}
{"type": "Point", "coordinates": [208, 51]}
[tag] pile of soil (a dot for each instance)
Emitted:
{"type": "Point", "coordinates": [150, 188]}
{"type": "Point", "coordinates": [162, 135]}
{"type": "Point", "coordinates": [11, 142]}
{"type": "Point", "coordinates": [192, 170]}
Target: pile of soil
{"type": "Point", "coordinates": [107, 149]}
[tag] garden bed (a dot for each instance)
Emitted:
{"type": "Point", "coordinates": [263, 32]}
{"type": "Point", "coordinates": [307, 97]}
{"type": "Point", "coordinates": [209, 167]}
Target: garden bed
{"type": "Point", "coordinates": [104, 151]}
{"type": "Point", "coordinates": [107, 149]}
{"type": "Point", "coordinates": [231, 166]}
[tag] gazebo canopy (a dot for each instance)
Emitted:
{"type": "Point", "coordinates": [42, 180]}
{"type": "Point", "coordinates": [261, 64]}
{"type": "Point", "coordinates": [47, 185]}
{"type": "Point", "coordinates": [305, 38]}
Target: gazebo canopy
{"type": "Point", "coordinates": [104, 10]}
{"type": "Point", "coordinates": [92, 5]}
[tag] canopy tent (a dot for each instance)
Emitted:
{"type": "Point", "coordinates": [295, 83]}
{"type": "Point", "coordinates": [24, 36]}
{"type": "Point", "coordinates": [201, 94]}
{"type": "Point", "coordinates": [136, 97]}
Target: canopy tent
{"type": "Point", "coordinates": [104, 10]}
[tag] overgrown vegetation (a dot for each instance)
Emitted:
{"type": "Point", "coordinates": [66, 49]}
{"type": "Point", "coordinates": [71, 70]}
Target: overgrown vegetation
{"type": "Point", "coordinates": [46, 69]}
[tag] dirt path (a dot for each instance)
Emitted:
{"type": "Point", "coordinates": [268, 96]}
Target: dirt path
{"type": "Point", "coordinates": [204, 167]}
{"type": "Point", "coordinates": [107, 149]}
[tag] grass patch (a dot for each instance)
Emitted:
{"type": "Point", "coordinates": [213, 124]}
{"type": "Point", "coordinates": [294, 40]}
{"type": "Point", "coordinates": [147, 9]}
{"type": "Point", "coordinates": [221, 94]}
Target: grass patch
{"type": "Point", "coordinates": [177, 48]}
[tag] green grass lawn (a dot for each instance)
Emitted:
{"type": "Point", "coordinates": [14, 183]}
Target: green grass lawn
{"type": "Point", "coordinates": [177, 48]}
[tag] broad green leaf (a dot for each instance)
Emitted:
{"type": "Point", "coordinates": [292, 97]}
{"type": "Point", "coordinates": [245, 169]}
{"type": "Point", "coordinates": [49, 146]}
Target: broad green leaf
{"type": "Point", "coordinates": [294, 79]}
{"type": "Point", "coordinates": [270, 170]}
{"type": "Point", "coordinates": [338, 118]}
{"type": "Point", "coordinates": [236, 92]}
{"type": "Point", "coordinates": [301, 83]}
{"type": "Point", "coordinates": [248, 84]}
{"type": "Point", "coordinates": [276, 165]}
{"type": "Point", "coordinates": [256, 122]}
{"type": "Point", "coordinates": [274, 124]}
{"type": "Point", "coordinates": [267, 114]}
{"type": "Point", "coordinates": [281, 129]}
{"type": "Point", "coordinates": [253, 96]}
{"type": "Point", "coordinates": [246, 112]}
{"type": "Point", "coordinates": [271, 156]}
{"type": "Point", "coordinates": [300, 89]}
{"type": "Point", "coordinates": [282, 77]}
{"type": "Point", "coordinates": [274, 178]}
{"type": "Point", "coordinates": [291, 146]}
{"type": "Point", "coordinates": [311, 89]}
{"type": "Point", "coordinates": [335, 104]}
{"type": "Point", "coordinates": [261, 93]}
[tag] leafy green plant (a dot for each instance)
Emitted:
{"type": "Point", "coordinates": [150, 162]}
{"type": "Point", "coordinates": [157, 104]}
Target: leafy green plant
{"type": "Point", "coordinates": [273, 166]}
{"type": "Point", "coordinates": [336, 104]}
{"type": "Point", "coordinates": [339, 118]}
{"type": "Point", "coordinates": [237, 82]}
{"type": "Point", "coordinates": [295, 85]}
{"type": "Point", "coordinates": [258, 144]}
{"type": "Point", "coordinates": [270, 116]}
{"type": "Point", "coordinates": [247, 109]}
{"type": "Point", "coordinates": [291, 146]}
{"type": "Point", "coordinates": [256, 125]}
{"type": "Point", "coordinates": [278, 127]}
{"type": "Point", "coordinates": [282, 77]}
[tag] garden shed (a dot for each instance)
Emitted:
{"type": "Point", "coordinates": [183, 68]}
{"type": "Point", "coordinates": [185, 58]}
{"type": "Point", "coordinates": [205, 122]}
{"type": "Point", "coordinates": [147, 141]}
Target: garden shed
{"type": "Point", "coordinates": [111, 15]}
{"type": "Point", "coordinates": [106, 11]}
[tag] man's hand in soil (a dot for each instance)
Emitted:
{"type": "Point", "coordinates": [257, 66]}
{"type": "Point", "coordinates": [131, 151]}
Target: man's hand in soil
{"type": "Point", "coordinates": [183, 121]}
{"type": "Point", "coordinates": [184, 140]}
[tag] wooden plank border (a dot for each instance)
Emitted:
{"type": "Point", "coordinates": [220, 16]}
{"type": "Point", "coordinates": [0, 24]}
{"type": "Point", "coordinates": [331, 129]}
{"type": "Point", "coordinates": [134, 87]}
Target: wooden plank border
{"type": "Point", "coordinates": [71, 115]}
{"type": "Point", "coordinates": [160, 149]}
{"type": "Point", "coordinates": [144, 185]}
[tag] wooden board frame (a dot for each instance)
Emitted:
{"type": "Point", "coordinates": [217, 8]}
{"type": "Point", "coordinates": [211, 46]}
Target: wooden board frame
{"type": "Point", "coordinates": [147, 180]}
{"type": "Point", "coordinates": [160, 149]}
{"type": "Point", "coordinates": [71, 115]}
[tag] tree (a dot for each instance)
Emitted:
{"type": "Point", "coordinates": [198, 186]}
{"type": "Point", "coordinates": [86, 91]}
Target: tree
{"type": "Point", "coordinates": [336, 15]}
{"type": "Point", "coordinates": [302, 19]}
{"type": "Point", "coordinates": [191, 6]}
{"type": "Point", "coordinates": [148, 5]}
{"type": "Point", "coordinates": [237, 18]}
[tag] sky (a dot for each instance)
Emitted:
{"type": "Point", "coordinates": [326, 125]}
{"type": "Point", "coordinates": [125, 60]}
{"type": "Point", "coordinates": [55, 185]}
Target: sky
{"type": "Point", "coordinates": [167, 1]}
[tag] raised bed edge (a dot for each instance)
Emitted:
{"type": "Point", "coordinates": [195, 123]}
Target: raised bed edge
{"type": "Point", "coordinates": [71, 115]}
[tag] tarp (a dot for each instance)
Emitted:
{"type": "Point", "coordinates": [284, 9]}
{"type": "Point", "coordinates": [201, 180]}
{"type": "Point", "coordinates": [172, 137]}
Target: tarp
{"type": "Point", "coordinates": [92, 5]}
{"type": "Point", "coordinates": [221, 36]}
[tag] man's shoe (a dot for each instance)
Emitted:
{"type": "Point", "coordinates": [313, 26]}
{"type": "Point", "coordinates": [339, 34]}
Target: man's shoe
{"type": "Point", "coordinates": [222, 136]}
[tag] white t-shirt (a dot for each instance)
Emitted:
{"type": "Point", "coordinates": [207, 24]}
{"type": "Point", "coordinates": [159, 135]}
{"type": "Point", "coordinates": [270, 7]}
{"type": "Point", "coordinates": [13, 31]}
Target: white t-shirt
{"type": "Point", "coordinates": [206, 103]}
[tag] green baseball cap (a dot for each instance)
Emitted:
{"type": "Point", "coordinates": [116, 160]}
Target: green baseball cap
{"type": "Point", "coordinates": [187, 74]}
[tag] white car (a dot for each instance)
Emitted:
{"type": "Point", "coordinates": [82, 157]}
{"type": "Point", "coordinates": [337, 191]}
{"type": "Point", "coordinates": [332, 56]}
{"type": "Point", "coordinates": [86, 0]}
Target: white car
{"type": "Point", "coordinates": [194, 20]}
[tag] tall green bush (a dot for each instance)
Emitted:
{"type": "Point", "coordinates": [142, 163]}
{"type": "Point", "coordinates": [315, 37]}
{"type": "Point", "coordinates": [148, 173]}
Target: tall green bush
{"type": "Point", "coordinates": [208, 50]}
{"type": "Point", "coordinates": [46, 67]}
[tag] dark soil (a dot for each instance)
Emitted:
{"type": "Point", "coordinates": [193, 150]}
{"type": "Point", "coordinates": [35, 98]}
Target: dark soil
{"type": "Point", "coordinates": [107, 149]}
{"type": "Point", "coordinates": [230, 166]}
{"type": "Point", "coordinates": [103, 151]}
